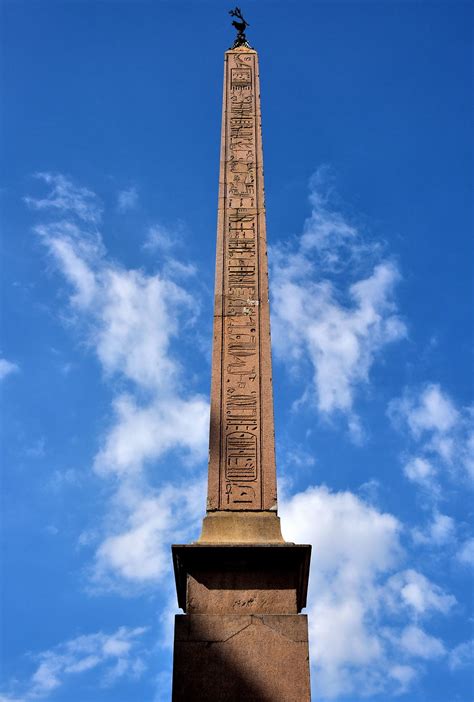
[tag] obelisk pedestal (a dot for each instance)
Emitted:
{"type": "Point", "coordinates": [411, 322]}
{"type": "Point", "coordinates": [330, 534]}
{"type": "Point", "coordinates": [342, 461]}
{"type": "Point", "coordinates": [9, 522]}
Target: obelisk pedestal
{"type": "Point", "coordinates": [241, 585]}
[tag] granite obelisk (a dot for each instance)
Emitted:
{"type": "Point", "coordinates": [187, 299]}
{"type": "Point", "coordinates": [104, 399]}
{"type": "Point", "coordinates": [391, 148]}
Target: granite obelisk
{"type": "Point", "coordinates": [241, 585]}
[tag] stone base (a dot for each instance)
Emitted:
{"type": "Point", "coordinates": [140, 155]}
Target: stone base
{"type": "Point", "coordinates": [265, 578]}
{"type": "Point", "coordinates": [251, 658]}
{"type": "Point", "coordinates": [241, 637]}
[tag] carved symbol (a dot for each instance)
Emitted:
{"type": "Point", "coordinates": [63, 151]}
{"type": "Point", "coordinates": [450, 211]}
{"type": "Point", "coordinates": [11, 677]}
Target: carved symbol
{"type": "Point", "coordinates": [242, 59]}
{"type": "Point", "coordinates": [241, 105]}
{"type": "Point", "coordinates": [241, 456]}
{"type": "Point", "coordinates": [239, 493]}
{"type": "Point", "coordinates": [241, 246]}
{"type": "Point", "coordinates": [238, 369]}
{"type": "Point", "coordinates": [242, 345]}
{"type": "Point", "coordinates": [244, 494]}
{"type": "Point", "coordinates": [241, 77]}
{"type": "Point", "coordinates": [243, 143]}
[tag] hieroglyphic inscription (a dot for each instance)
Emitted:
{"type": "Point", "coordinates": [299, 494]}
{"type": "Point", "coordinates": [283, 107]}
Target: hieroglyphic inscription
{"type": "Point", "coordinates": [241, 401]}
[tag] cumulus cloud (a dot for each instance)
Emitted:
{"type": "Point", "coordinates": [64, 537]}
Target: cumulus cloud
{"type": "Point", "coordinates": [322, 315]}
{"type": "Point", "coordinates": [429, 412]}
{"type": "Point", "coordinates": [418, 643]}
{"type": "Point", "coordinates": [355, 589]}
{"type": "Point", "coordinates": [130, 317]}
{"type": "Point", "coordinates": [420, 471]}
{"type": "Point", "coordinates": [439, 532]}
{"type": "Point", "coordinates": [138, 553]}
{"type": "Point", "coordinates": [141, 434]}
{"type": "Point", "coordinates": [413, 591]}
{"type": "Point", "coordinates": [7, 368]}
{"type": "Point", "coordinates": [117, 655]}
{"type": "Point", "coordinates": [127, 199]}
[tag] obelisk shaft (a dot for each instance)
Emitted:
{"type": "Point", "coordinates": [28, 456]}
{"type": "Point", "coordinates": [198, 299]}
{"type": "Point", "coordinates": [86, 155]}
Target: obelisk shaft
{"type": "Point", "coordinates": [242, 473]}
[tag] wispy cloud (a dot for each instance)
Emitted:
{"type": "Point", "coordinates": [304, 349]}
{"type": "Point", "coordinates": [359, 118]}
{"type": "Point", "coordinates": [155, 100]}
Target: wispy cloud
{"type": "Point", "coordinates": [440, 434]}
{"type": "Point", "coordinates": [333, 306]}
{"type": "Point", "coordinates": [161, 238]}
{"type": "Point", "coordinates": [127, 199]}
{"type": "Point", "coordinates": [7, 368]}
{"type": "Point", "coordinates": [440, 531]}
{"type": "Point", "coordinates": [113, 656]}
{"type": "Point", "coordinates": [465, 553]}
{"type": "Point", "coordinates": [165, 239]}
{"type": "Point", "coordinates": [462, 656]}
{"type": "Point", "coordinates": [67, 198]}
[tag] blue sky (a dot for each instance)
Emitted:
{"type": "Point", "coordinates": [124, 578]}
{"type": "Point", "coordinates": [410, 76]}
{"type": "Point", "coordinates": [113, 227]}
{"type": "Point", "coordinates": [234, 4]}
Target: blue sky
{"type": "Point", "coordinates": [110, 146]}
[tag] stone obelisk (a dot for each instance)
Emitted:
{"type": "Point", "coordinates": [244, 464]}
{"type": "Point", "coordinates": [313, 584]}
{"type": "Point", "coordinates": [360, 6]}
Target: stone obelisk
{"type": "Point", "coordinates": [241, 585]}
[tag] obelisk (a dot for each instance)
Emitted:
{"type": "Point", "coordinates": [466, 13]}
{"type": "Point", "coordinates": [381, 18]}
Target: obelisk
{"type": "Point", "coordinates": [241, 585]}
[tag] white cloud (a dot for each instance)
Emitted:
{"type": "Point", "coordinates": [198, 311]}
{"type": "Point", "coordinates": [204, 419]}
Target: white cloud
{"type": "Point", "coordinates": [140, 434]}
{"type": "Point", "coordinates": [420, 471]}
{"type": "Point", "coordinates": [462, 655]}
{"type": "Point", "coordinates": [131, 317]}
{"type": "Point", "coordinates": [79, 253]}
{"type": "Point", "coordinates": [442, 435]}
{"type": "Point", "coordinates": [160, 237]}
{"type": "Point", "coordinates": [140, 315]}
{"type": "Point", "coordinates": [127, 199]}
{"type": "Point", "coordinates": [441, 531]}
{"type": "Point", "coordinates": [404, 675]}
{"type": "Point", "coordinates": [317, 316]}
{"type": "Point", "coordinates": [138, 553]}
{"type": "Point", "coordinates": [420, 644]}
{"type": "Point", "coordinates": [354, 590]}
{"type": "Point", "coordinates": [430, 411]}
{"type": "Point", "coordinates": [297, 457]}
{"type": "Point", "coordinates": [413, 591]}
{"type": "Point", "coordinates": [466, 552]}
{"type": "Point", "coordinates": [336, 241]}
{"type": "Point", "coordinates": [115, 655]}
{"type": "Point", "coordinates": [467, 449]}
{"type": "Point", "coordinates": [67, 198]}
{"type": "Point", "coordinates": [7, 368]}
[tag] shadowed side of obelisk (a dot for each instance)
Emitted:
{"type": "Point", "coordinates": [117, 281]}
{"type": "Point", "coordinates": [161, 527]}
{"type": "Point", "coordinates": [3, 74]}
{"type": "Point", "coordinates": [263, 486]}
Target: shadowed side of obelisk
{"type": "Point", "coordinates": [241, 585]}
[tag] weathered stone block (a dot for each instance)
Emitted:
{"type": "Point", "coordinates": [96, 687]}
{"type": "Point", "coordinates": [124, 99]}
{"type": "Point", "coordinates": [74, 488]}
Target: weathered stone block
{"type": "Point", "coordinates": [256, 658]}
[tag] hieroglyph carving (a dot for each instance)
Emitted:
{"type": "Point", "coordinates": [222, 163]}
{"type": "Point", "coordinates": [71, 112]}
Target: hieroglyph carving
{"type": "Point", "coordinates": [241, 401]}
